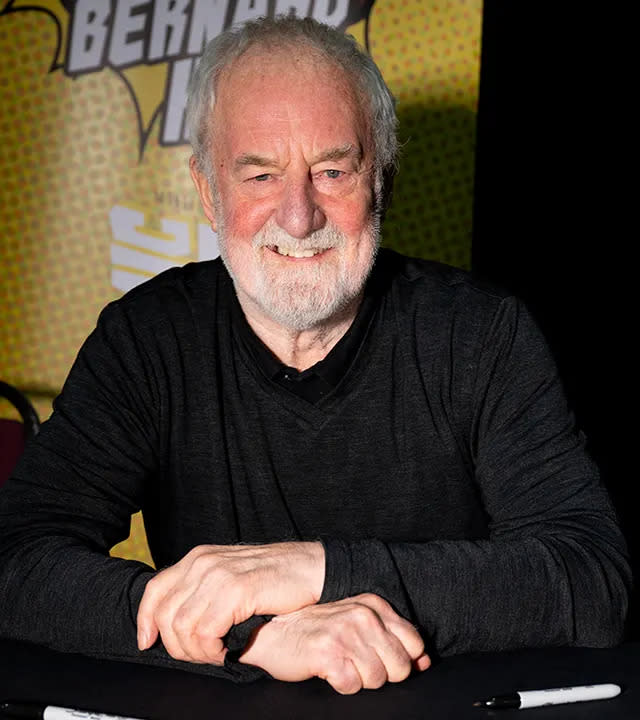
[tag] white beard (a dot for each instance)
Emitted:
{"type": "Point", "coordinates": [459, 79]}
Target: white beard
{"type": "Point", "coordinates": [304, 297]}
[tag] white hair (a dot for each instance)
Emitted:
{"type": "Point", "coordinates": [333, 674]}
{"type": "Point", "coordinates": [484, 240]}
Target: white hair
{"type": "Point", "coordinates": [331, 44]}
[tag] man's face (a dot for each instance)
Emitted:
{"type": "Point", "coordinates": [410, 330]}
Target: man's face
{"type": "Point", "coordinates": [292, 163]}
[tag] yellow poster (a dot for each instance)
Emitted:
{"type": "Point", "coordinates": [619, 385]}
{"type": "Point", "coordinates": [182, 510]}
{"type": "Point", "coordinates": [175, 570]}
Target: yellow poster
{"type": "Point", "coordinates": [95, 194]}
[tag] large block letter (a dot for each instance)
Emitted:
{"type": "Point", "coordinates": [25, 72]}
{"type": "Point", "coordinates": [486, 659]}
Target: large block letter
{"type": "Point", "coordinates": [88, 35]}
{"type": "Point", "coordinates": [207, 20]}
{"type": "Point", "coordinates": [124, 50]}
{"type": "Point", "coordinates": [249, 9]}
{"type": "Point", "coordinates": [167, 32]}
{"type": "Point", "coordinates": [331, 12]}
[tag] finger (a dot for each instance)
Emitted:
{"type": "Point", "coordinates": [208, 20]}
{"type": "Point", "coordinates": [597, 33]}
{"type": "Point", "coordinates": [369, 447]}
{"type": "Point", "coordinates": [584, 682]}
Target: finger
{"type": "Point", "coordinates": [147, 635]}
{"type": "Point", "coordinates": [201, 642]}
{"type": "Point", "coordinates": [410, 639]}
{"type": "Point", "coordinates": [191, 650]}
{"type": "Point", "coordinates": [401, 628]}
{"type": "Point", "coordinates": [154, 592]}
{"type": "Point", "coordinates": [201, 623]}
{"type": "Point", "coordinates": [422, 663]}
{"type": "Point", "coordinates": [406, 634]}
{"type": "Point", "coordinates": [370, 667]}
{"type": "Point", "coordinates": [176, 635]}
{"type": "Point", "coordinates": [375, 651]}
{"type": "Point", "coordinates": [210, 642]}
{"type": "Point", "coordinates": [209, 612]}
{"type": "Point", "coordinates": [173, 646]}
{"type": "Point", "coordinates": [394, 657]}
{"type": "Point", "coordinates": [185, 621]}
{"type": "Point", "coordinates": [186, 628]}
{"type": "Point", "coordinates": [164, 618]}
{"type": "Point", "coordinates": [344, 677]}
{"type": "Point", "coordinates": [147, 629]}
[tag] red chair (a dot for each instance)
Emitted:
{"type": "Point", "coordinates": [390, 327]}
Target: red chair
{"type": "Point", "coordinates": [15, 433]}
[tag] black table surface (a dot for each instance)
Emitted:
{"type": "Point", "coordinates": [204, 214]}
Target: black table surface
{"type": "Point", "coordinates": [446, 690]}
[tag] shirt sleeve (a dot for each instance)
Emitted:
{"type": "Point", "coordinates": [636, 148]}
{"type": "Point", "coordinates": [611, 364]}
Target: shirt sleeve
{"type": "Point", "coordinates": [71, 498]}
{"type": "Point", "coordinates": [554, 569]}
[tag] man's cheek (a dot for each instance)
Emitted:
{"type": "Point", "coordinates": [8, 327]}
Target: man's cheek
{"type": "Point", "coordinates": [246, 219]}
{"type": "Point", "coordinates": [349, 216]}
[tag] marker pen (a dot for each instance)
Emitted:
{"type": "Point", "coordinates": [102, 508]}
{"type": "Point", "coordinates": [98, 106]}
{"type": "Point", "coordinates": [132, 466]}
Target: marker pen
{"type": "Point", "coordinates": [551, 696]}
{"type": "Point", "coordinates": [40, 711]}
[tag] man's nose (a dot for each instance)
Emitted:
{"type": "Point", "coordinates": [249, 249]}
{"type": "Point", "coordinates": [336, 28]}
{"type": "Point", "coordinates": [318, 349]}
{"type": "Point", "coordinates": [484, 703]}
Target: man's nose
{"type": "Point", "coordinates": [298, 212]}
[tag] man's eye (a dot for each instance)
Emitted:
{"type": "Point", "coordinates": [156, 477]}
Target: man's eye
{"type": "Point", "coordinates": [262, 178]}
{"type": "Point", "coordinates": [333, 174]}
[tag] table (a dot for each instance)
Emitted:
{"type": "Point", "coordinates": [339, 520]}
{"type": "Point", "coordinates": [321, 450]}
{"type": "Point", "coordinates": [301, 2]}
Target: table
{"type": "Point", "coordinates": [446, 691]}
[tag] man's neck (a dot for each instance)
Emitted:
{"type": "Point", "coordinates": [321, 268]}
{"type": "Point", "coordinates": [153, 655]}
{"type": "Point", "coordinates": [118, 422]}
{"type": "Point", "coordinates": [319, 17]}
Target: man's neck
{"type": "Point", "coordinates": [298, 349]}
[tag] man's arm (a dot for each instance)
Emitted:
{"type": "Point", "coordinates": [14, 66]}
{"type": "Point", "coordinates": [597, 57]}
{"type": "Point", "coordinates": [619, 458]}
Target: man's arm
{"type": "Point", "coordinates": [554, 569]}
{"type": "Point", "coordinates": [71, 498]}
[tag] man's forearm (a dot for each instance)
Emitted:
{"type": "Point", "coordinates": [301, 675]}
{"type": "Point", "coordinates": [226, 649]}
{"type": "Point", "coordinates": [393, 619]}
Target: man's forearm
{"type": "Point", "coordinates": [56, 593]}
{"type": "Point", "coordinates": [492, 594]}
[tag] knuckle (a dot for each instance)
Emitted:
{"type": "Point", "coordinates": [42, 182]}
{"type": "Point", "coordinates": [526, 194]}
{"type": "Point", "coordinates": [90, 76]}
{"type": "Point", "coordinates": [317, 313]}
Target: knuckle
{"type": "Point", "coordinates": [182, 621]}
{"type": "Point", "coordinates": [202, 564]}
{"type": "Point", "coordinates": [364, 616]}
{"type": "Point", "coordinates": [196, 552]}
{"type": "Point", "coordinates": [206, 638]}
{"type": "Point", "coordinates": [152, 588]}
{"type": "Point", "coordinates": [163, 615]}
{"type": "Point", "coordinates": [376, 602]}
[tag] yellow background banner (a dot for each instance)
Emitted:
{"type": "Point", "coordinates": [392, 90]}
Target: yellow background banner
{"type": "Point", "coordinates": [94, 198]}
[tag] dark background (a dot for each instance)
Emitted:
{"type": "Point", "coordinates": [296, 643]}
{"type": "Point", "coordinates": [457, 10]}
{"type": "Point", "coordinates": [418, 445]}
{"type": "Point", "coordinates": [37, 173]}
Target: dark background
{"type": "Point", "coordinates": [552, 213]}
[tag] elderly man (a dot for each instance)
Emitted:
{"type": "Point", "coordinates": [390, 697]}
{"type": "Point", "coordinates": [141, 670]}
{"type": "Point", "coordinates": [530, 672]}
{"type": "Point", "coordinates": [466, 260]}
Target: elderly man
{"type": "Point", "coordinates": [341, 454]}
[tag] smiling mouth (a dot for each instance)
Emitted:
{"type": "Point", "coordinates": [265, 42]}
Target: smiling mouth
{"type": "Point", "coordinates": [295, 252]}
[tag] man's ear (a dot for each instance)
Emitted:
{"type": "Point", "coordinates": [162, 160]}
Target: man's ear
{"type": "Point", "coordinates": [201, 182]}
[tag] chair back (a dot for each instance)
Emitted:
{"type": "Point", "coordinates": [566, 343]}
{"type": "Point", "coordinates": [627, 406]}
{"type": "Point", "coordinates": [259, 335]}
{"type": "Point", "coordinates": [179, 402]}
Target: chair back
{"type": "Point", "coordinates": [15, 433]}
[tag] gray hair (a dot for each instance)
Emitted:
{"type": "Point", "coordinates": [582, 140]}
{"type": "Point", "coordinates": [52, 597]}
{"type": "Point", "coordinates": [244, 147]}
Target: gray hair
{"type": "Point", "coordinates": [331, 44]}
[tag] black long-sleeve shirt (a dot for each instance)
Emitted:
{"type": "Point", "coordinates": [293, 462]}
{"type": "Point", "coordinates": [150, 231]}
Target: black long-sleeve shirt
{"type": "Point", "coordinates": [443, 472]}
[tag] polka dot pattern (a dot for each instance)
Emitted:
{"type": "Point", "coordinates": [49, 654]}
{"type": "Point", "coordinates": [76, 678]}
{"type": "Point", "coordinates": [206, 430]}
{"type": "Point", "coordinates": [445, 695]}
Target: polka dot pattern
{"type": "Point", "coordinates": [429, 54]}
{"type": "Point", "coordinates": [69, 151]}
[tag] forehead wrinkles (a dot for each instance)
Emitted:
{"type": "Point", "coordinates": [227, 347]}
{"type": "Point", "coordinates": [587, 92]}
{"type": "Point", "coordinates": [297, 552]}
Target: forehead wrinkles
{"type": "Point", "coordinates": [294, 72]}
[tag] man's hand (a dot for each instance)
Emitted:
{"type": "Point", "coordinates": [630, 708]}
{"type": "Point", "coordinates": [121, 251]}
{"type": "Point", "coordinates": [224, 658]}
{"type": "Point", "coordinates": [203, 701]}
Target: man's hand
{"type": "Point", "coordinates": [193, 603]}
{"type": "Point", "coordinates": [355, 643]}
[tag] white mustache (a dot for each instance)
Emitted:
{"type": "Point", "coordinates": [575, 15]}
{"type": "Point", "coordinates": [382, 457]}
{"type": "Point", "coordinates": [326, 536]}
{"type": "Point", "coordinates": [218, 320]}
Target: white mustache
{"type": "Point", "coordinates": [274, 236]}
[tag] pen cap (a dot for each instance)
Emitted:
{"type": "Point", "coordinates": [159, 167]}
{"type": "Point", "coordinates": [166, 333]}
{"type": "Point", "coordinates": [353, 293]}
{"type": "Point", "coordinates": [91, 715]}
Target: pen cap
{"type": "Point", "coordinates": [557, 696]}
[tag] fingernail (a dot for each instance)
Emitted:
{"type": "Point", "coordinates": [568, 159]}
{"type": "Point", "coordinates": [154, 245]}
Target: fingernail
{"type": "Point", "coordinates": [143, 640]}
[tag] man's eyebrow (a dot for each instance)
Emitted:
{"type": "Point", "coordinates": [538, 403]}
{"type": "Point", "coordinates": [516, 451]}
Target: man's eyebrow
{"type": "Point", "coordinates": [336, 153]}
{"type": "Point", "coordinates": [339, 153]}
{"type": "Point", "coordinates": [250, 159]}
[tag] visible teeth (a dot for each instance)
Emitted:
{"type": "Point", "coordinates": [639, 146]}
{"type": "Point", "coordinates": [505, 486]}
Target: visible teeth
{"type": "Point", "coordinates": [291, 252]}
